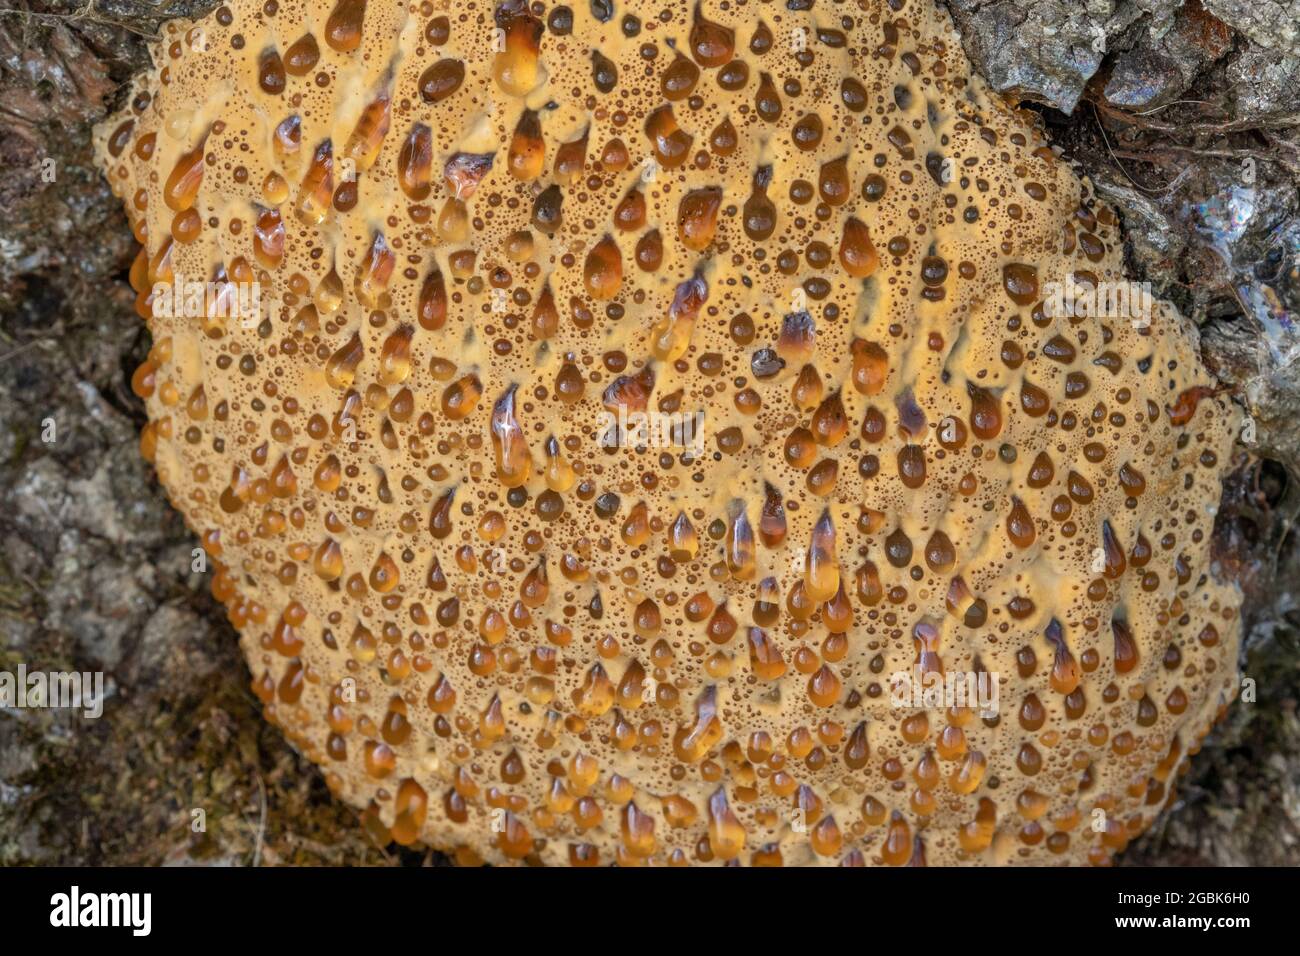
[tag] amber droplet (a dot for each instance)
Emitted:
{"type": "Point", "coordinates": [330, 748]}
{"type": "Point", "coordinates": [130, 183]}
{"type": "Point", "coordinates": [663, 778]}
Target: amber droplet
{"type": "Point", "coordinates": [697, 217]}
{"type": "Point", "coordinates": [833, 181]}
{"type": "Point", "coordinates": [268, 238]}
{"type": "Point", "coordinates": [765, 658]}
{"type": "Point", "coordinates": [328, 295]}
{"type": "Point", "coordinates": [807, 132]}
{"type": "Point", "coordinates": [985, 413]}
{"type": "Point", "coordinates": [395, 356]}
{"type": "Point", "coordinates": [1112, 552]}
{"type": "Point", "coordinates": [637, 830]}
{"type": "Point", "coordinates": [516, 67]}
{"type": "Point", "coordinates": [1126, 649]}
{"type": "Point", "coordinates": [303, 54]}
{"type": "Point", "coordinates": [671, 336]}
{"type": "Point", "coordinates": [270, 72]}
{"type": "Point", "coordinates": [798, 338]}
{"type": "Point", "coordinates": [824, 687]}
{"type": "Point", "coordinates": [650, 251]}
{"type": "Point", "coordinates": [604, 72]}
{"type": "Point", "coordinates": [329, 560]}
{"type": "Point", "coordinates": [897, 848]}
{"type": "Point", "coordinates": [415, 163]}
{"type": "Point", "coordinates": [1020, 526]}
{"type": "Point", "coordinates": [724, 139]}
{"type": "Point", "coordinates": [368, 137]}
{"type": "Point", "coordinates": [1065, 670]}
{"type": "Point", "coordinates": [1134, 481]}
{"type": "Point", "coordinates": [182, 186]}
{"type": "Point", "coordinates": [672, 144]}
{"type": "Point", "coordinates": [739, 543]}
{"type": "Point", "coordinates": [767, 102]}
{"type": "Point", "coordinates": [857, 254]}
{"type": "Point", "coordinates": [120, 138]}
{"type": "Point", "coordinates": [431, 309]}
{"type": "Point", "coordinates": [692, 743]}
{"type": "Point", "coordinates": [460, 397]}
{"type": "Point", "coordinates": [1020, 282]}
{"type": "Point", "coordinates": [857, 751]}
{"type": "Point", "coordinates": [287, 141]}
{"type": "Point", "coordinates": [630, 213]}
{"type": "Point", "coordinates": [384, 576]}
{"type": "Point", "coordinates": [343, 28]}
{"type": "Point", "coordinates": [771, 524]}
{"type": "Point", "coordinates": [940, 555]}
{"type": "Point", "coordinates": [726, 835]}
{"type": "Point", "coordinates": [341, 368]}
{"type": "Point", "coordinates": [527, 156]}
{"type": "Point", "coordinates": [758, 217]}
{"type": "Point", "coordinates": [596, 695]}
{"type": "Point", "coordinates": [374, 273]}
{"type": "Point", "coordinates": [602, 274]}
{"type": "Point", "coordinates": [911, 466]}
{"type": "Point", "coordinates": [678, 81]}
{"type": "Point", "coordinates": [513, 839]}
{"type": "Point", "coordinates": [683, 540]}
{"type": "Point", "coordinates": [513, 461]}
{"type": "Point", "coordinates": [546, 317]}
{"type": "Point", "coordinates": [317, 191]}
{"type": "Point", "coordinates": [548, 209]}
{"type": "Point", "coordinates": [441, 80]}
{"type": "Point", "coordinates": [274, 189]}
{"type": "Point", "coordinates": [464, 171]}
{"type": "Point", "coordinates": [570, 159]}
{"type": "Point", "coordinates": [711, 43]}
{"type": "Point", "coordinates": [821, 571]}
{"type": "Point", "coordinates": [926, 639]}
{"type": "Point", "coordinates": [870, 366]}
{"type": "Point", "coordinates": [411, 808]}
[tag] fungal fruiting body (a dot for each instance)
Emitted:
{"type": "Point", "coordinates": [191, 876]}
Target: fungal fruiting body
{"type": "Point", "coordinates": [652, 417]}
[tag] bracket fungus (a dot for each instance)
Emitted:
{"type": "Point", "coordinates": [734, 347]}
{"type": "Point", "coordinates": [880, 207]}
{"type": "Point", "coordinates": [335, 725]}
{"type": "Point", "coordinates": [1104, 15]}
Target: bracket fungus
{"type": "Point", "coordinates": [649, 432]}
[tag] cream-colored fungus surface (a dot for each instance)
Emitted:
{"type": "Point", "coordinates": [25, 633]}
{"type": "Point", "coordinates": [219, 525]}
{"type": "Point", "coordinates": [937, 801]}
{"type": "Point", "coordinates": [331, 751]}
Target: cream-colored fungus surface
{"type": "Point", "coordinates": [479, 231]}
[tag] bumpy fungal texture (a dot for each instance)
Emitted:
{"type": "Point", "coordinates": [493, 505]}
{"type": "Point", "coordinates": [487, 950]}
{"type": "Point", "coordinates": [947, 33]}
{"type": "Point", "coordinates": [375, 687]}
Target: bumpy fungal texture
{"type": "Point", "coordinates": [476, 228]}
